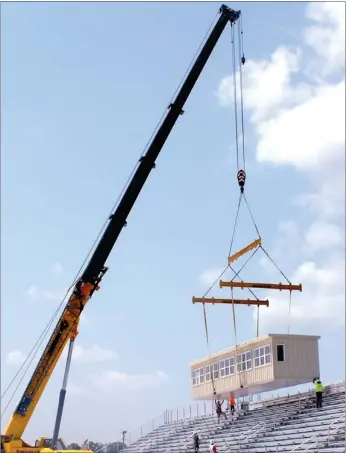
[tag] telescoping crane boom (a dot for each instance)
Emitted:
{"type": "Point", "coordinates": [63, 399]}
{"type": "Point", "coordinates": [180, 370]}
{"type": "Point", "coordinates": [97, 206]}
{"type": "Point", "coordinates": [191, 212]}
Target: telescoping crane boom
{"type": "Point", "coordinates": [66, 328]}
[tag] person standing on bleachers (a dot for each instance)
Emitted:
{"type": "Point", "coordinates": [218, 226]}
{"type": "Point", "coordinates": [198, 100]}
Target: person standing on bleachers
{"type": "Point", "coordinates": [319, 391]}
{"type": "Point", "coordinates": [219, 410]}
{"type": "Point", "coordinates": [231, 404]}
{"type": "Point", "coordinates": [195, 438]}
{"type": "Point", "coordinates": [212, 447]}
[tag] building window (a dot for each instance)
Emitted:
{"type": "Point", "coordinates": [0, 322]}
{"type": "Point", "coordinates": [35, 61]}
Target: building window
{"type": "Point", "coordinates": [244, 361]}
{"type": "Point", "coordinates": [198, 376]}
{"type": "Point", "coordinates": [215, 369]}
{"type": "Point", "coordinates": [280, 352]}
{"type": "Point", "coordinates": [262, 356]}
{"type": "Point", "coordinates": [227, 367]}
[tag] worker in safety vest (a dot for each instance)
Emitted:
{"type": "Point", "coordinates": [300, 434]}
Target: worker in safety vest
{"type": "Point", "coordinates": [319, 390]}
{"type": "Point", "coordinates": [212, 448]}
{"type": "Point", "coordinates": [231, 404]}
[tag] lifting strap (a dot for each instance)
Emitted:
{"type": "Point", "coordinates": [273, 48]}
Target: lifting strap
{"type": "Point", "coordinates": [207, 334]}
{"type": "Point", "coordinates": [210, 364]}
{"type": "Point", "coordinates": [236, 341]}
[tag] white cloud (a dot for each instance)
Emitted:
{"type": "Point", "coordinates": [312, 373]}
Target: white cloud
{"type": "Point", "coordinates": [117, 382]}
{"type": "Point", "coordinates": [267, 84]}
{"type": "Point", "coordinates": [15, 357]}
{"type": "Point", "coordinates": [299, 124]}
{"type": "Point", "coordinates": [314, 131]}
{"type": "Point", "coordinates": [322, 301]}
{"type": "Point", "coordinates": [57, 269]}
{"type": "Point", "coordinates": [34, 293]}
{"type": "Point", "coordinates": [327, 37]}
{"type": "Point", "coordinates": [209, 276]}
{"type": "Point", "coordinates": [328, 197]}
{"type": "Point", "coordinates": [323, 235]}
{"type": "Point", "coordinates": [298, 115]}
{"type": "Point", "coordinates": [95, 354]}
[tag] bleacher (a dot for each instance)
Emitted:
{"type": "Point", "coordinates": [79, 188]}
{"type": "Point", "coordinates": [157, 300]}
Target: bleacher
{"type": "Point", "coordinates": [290, 424]}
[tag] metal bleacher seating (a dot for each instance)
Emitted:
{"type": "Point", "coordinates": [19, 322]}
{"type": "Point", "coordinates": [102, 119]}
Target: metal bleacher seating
{"type": "Point", "coordinates": [290, 424]}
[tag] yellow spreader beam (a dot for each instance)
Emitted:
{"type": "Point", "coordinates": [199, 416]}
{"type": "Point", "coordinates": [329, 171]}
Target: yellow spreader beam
{"type": "Point", "coordinates": [212, 300]}
{"type": "Point", "coordinates": [278, 286]}
{"type": "Point", "coordinates": [244, 250]}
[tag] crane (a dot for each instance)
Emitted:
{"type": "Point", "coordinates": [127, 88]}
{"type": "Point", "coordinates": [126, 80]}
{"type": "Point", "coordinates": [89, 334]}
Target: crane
{"type": "Point", "coordinates": [66, 329]}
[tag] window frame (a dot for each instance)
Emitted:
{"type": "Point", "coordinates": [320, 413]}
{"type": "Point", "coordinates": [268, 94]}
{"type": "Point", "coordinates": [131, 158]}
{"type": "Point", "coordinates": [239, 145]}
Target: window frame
{"type": "Point", "coordinates": [223, 367]}
{"type": "Point", "coordinates": [198, 376]}
{"type": "Point", "coordinates": [212, 368]}
{"type": "Point", "coordinates": [240, 363]}
{"type": "Point", "coordinates": [262, 356]}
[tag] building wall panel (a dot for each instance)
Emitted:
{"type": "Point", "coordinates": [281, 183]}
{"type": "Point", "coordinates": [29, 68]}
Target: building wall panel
{"type": "Point", "coordinates": [301, 358]}
{"type": "Point", "coordinates": [300, 365]}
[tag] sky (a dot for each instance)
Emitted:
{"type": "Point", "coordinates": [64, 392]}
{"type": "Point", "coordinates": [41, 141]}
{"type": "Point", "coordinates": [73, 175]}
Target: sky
{"type": "Point", "coordinates": [83, 87]}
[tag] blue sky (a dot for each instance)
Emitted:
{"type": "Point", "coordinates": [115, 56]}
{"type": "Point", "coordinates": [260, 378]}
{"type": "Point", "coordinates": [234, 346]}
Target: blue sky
{"type": "Point", "coordinates": [83, 87]}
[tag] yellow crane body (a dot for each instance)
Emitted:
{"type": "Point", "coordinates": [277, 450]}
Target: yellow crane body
{"type": "Point", "coordinates": [66, 329]}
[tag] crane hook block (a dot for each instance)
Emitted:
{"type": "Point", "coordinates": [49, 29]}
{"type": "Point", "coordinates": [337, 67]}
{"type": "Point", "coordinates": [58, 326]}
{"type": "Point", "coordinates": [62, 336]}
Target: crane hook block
{"type": "Point", "coordinates": [241, 176]}
{"type": "Point", "coordinates": [245, 250]}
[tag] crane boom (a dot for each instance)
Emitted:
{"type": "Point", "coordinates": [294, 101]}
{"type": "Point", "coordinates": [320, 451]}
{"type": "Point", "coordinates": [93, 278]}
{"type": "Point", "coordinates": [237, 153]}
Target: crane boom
{"type": "Point", "coordinates": [91, 277]}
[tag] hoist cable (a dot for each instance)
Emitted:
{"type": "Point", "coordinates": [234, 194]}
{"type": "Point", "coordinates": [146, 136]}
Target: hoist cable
{"type": "Point", "coordinates": [237, 273]}
{"type": "Point", "coordinates": [242, 281]}
{"type": "Point", "coordinates": [195, 56]}
{"type": "Point", "coordinates": [212, 286]}
{"type": "Point", "coordinates": [240, 31]}
{"type": "Point", "coordinates": [242, 34]}
{"type": "Point", "coordinates": [252, 217]}
{"type": "Point", "coordinates": [37, 344]}
{"type": "Point", "coordinates": [277, 267]}
{"type": "Point", "coordinates": [235, 93]}
{"type": "Point", "coordinates": [235, 224]}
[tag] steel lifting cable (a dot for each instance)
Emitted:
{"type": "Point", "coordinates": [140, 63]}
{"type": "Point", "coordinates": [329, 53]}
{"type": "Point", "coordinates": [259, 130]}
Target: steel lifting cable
{"type": "Point", "coordinates": [235, 93]}
{"type": "Point", "coordinates": [206, 330]}
{"type": "Point", "coordinates": [211, 370]}
{"type": "Point", "coordinates": [235, 338]}
{"type": "Point", "coordinates": [241, 175]}
{"type": "Point", "coordinates": [288, 281]}
{"type": "Point", "coordinates": [241, 63]}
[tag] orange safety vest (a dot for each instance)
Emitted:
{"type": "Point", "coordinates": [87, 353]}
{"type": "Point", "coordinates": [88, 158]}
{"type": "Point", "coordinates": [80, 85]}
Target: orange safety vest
{"type": "Point", "coordinates": [231, 401]}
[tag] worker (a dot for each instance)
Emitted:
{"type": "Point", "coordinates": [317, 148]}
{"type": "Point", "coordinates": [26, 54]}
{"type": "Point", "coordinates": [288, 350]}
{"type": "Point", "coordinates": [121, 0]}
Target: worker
{"type": "Point", "coordinates": [219, 410]}
{"type": "Point", "coordinates": [231, 404]}
{"type": "Point", "coordinates": [318, 390]}
{"type": "Point", "coordinates": [212, 448]}
{"type": "Point", "coordinates": [195, 438]}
